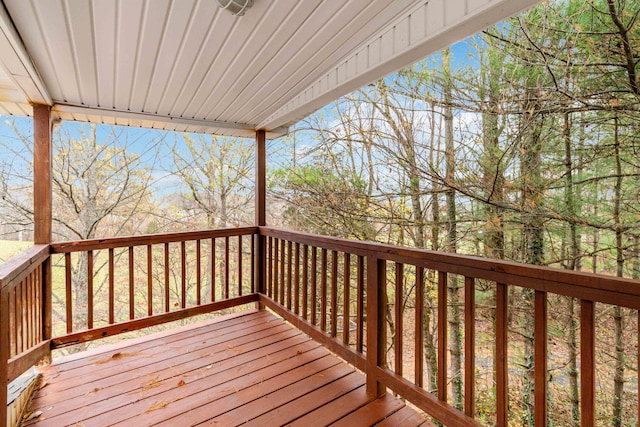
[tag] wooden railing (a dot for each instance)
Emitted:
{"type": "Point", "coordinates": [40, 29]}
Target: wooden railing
{"type": "Point", "coordinates": [24, 329]}
{"type": "Point", "coordinates": [135, 282]}
{"type": "Point", "coordinates": [322, 284]}
{"type": "Point", "coordinates": [364, 301]}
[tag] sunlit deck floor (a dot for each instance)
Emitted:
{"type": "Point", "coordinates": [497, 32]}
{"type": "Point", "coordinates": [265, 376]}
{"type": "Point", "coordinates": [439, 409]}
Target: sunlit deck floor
{"type": "Point", "coordinates": [250, 369]}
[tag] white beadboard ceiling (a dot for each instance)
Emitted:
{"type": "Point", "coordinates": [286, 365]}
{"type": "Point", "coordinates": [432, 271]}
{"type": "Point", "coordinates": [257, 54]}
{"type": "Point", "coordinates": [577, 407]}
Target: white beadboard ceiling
{"type": "Point", "coordinates": [188, 65]}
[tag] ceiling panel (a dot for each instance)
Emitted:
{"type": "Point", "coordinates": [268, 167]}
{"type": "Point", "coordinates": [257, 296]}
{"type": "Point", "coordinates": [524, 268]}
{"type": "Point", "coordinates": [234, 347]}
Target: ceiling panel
{"type": "Point", "coordinates": [191, 65]}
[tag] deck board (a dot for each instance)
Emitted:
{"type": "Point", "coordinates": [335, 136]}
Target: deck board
{"type": "Point", "coordinates": [252, 368]}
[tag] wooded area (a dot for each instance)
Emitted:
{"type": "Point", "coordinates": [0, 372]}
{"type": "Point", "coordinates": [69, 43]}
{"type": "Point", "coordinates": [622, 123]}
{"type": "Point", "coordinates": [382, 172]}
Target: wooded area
{"type": "Point", "coordinates": [519, 144]}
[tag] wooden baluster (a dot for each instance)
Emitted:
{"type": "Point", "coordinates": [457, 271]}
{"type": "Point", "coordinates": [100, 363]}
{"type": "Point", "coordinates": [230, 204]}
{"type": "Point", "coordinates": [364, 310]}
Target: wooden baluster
{"type": "Point", "coordinates": [131, 285]}
{"type": "Point", "coordinates": [283, 260]}
{"type": "Point", "coordinates": [212, 267]}
{"type": "Point", "coordinates": [346, 277]}
{"type": "Point", "coordinates": [276, 269]}
{"type": "Point", "coordinates": [35, 308]}
{"type": "Point", "coordinates": [149, 280]}
{"type": "Point", "coordinates": [19, 320]}
{"type": "Point", "coordinates": [359, 303]}
{"type": "Point", "coordinates": [305, 281]}
{"type": "Point", "coordinates": [226, 267]}
{"type": "Point", "coordinates": [112, 292]}
{"type": "Point", "coordinates": [419, 334]}
{"type": "Point", "coordinates": [13, 319]}
{"type": "Point", "coordinates": [397, 339]}
{"type": "Point", "coordinates": [167, 305]}
{"type": "Point", "coordinates": [442, 336]}
{"type": "Point", "coordinates": [183, 274]}
{"type": "Point", "coordinates": [39, 302]}
{"type": "Point", "coordinates": [26, 285]}
{"type": "Point", "coordinates": [289, 273]}
{"type": "Point", "coordinates": [32, 308]}
{"type": "Point", "coordinates": [334, 293]}
{"type": "Point", "coordinates": [253, 263]}
{"type": "Point", "coordinates": [47, 294]}
{"type": "Point", "coordinates": [469, 346]}
{"type": "Point", "coordinates": [314, 283]}
{"type": "Point", "coordinates": [90, 289]}
{"type": "Point", "coordinates": [587, 364]}
{"type": "Point", "coordinates": [68, 293]}
{"type": "Point", "coordinates": [198, 273]}
{"type": "Point", "coordinates": [296, 280]}
{"type": "Point", "coordinates": [501, 362]}
{"type": "Point", "coordinates": [323, 289]}
{"type": "Point", "coordinates": [239, 265]}
{"type": "Point", "coordinates": [540, 359]}
{"type": "Point", "coordinates": [376, 325]}
{"type": "Point", "coordinates": [270, 267]}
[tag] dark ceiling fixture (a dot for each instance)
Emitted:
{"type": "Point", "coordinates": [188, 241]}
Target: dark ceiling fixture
{"type": "Point", "coordinates": [236, 7]}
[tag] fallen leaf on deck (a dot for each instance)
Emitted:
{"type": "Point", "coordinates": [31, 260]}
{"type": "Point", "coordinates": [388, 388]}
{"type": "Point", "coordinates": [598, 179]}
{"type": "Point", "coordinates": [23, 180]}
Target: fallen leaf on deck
{"type": "Point", "coordinates": [42, 385]}
{"type": "Point", "coordinates": [115, 356]}
{"type": "Point", "coordinates": [181, 383]}
{"type": "Point", "coordinates": [155, 382]}
{"type": "Point", "coordinates": [32, 415]}
{"type": "Point", "coordinates": [157, 405]}
{"type": "Point", "coordinates": [95, 390]}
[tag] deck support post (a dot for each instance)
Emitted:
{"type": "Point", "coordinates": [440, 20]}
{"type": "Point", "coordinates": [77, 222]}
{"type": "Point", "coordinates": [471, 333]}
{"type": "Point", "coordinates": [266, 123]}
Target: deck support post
{"type": "Point", "coordinates": [42, 205]}
{"type": "Point", "coordinates": [260, 208]}
{"type": "Point", "coordinates": [41, 174]}
{"type": "Point", "coordinates": [376, 328]}
{"type": "Point", "coordinates": [4, 356]}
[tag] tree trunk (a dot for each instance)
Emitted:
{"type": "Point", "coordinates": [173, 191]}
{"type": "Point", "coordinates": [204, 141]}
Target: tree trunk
{"type": "Point", "coordinates": [618, 378]}
{"type": "Point", "coordinates": [573, 263]}
{"type": "Point", "coordinates": [492, 168]}
{"type": "Point", "coordinates": [455, 333]}
{"type": "Point", "coordinates": [532, 192]}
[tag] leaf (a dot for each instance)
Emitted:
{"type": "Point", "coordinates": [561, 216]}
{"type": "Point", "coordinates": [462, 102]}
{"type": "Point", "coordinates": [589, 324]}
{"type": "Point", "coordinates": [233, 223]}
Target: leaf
{"type": "Point", "coordinates": [115, 356]}
{"type": "Point", "coordinates": [32, 415]}
{"type": "Point", "coordinates": [155, 382]}
{"type": "Point", "coordinates": [157, 405]}
{"type": "Point", "coordinates": [181, 383]}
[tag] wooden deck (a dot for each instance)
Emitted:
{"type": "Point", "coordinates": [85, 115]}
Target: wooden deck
{"type": "Point", "coordinates": [252, 369]}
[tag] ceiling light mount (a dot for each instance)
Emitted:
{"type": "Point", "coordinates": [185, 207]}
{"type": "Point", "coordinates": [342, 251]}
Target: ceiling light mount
{"type": "Point", "coordinates": [236, 7]}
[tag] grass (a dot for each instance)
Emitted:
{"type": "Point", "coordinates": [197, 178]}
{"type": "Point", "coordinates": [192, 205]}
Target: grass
{"type": "Point", "coordinates": [10, 248]}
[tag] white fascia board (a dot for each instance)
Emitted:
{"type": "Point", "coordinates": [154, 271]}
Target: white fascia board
{"type": "Point", "coordinates": [429, 28]}
{"type": "Point", "coordinates": [16, 63]}
{"type": "Point", "coordinates": [172, 122]}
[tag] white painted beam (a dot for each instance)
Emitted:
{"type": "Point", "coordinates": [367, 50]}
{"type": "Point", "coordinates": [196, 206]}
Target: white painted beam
{"type": "Point", "coordinates": [158, 121]}
{"type": "Point", "coordinates": [429, 28]}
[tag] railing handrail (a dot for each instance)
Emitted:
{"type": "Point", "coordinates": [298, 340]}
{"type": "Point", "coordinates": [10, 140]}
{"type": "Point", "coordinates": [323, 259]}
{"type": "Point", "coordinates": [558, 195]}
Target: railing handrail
{"type": "Point", "coordinates": [594, 287]}
{"type": "Point", "coordinates": [148, 239]}
{"type": "Point", "coordinates": [18, 266]}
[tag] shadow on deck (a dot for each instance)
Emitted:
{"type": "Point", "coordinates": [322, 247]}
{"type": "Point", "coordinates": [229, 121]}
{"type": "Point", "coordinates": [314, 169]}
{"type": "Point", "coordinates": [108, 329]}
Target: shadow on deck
{"type": "Point", "coordinates": [252, 368]}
